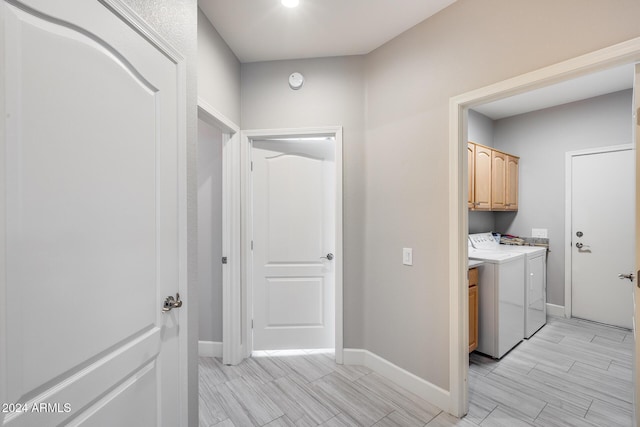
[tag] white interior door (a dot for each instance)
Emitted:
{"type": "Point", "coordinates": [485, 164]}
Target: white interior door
{"type": "Point", "coordinates": [90, 241]}
{"type": "Point", "coordinates": [293, 184]}
{"type": "Point", "coordinates": [603, 230]}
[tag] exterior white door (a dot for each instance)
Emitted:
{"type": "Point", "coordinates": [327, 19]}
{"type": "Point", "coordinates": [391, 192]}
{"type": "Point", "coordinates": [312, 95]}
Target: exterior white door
{"type": "Point", "coordinates": [293, 184]}
{"type": "Point", "coordinates": [603, 231]}
{"type": "Point", "coordinates": [90, 243]}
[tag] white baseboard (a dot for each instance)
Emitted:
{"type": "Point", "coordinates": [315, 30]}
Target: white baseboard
{"type": "Point", "coordinates": [422, 388]}
{"type": "Point", "coordinates": [555, 310]}
{"type": "Point", "coordinates": [209, 349]}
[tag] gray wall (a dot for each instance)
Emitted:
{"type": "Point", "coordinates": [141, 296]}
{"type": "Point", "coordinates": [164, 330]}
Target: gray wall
{"type": "Point", "coordinates": [480, 131]}
{"type": "Point", "coordinates": [409, 81]}
{"type": "Point", "coordinates": [218, 71]}
{"type": "Point", "coordinates": [541, 139]}
{"type": "Point", "coordinates": [333, 94]}
{"type": "Point", "coordinates": [176, 21]}
{"type": "Point", "coordinates": [209, 232]}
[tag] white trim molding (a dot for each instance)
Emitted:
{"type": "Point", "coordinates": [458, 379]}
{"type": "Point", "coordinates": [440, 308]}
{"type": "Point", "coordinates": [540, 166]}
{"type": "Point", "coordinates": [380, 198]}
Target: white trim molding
{"type": "Point", "coordinates": [209, 349]}
{"type": "Point", "coordinates": [555, 310]}
{"type": "Point", "coordinates": [245, 191]}
{"type": "Point", "coordinates": [568, 238]}
{"type": "Point", "coordinates": [619, 54]}
{"type": "Point", "coordinates": [416, 385]}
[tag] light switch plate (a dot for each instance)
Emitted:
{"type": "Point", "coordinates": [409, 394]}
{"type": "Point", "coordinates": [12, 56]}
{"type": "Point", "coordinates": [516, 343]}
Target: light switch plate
{"type": "Point", "coordinates": [407, 256]}
{"type": "Point", "coordinates": [539, 232]}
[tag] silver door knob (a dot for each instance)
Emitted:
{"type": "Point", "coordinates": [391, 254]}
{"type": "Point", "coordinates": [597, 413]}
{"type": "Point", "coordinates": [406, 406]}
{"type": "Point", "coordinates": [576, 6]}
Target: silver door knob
{"type": "Point", "coordinates": [629, 276]}
{"type": "Point", "coordinates": [329, 256]}
{"type": "Point", "coordinates": [170, 303]}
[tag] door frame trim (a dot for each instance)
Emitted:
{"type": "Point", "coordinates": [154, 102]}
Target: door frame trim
{"type": "Point", "coordinates": [568, 210]}
{"type": "Point", "coordinates": [231, 235]}
{"type": "Point", "coordinates": [622, 53]}
{"type": "Point", "coordinates": [244, 318]}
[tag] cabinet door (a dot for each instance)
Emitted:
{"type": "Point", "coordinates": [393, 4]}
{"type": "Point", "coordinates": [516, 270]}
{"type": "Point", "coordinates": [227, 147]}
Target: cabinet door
{"type": "Point", "coordinates": [471, 153]}
{"type": "Point", "coordinates": [473, 318]}
{"type": "Point", "coordinates": [483, 178]}
{"type": "Point", "coordinates": [498, 180]}
{"type": "Point", "coordinates": [511, 200]}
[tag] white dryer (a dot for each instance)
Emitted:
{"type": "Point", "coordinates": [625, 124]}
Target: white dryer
{"type": "Point", "coordinates": [500, 296]}
{"type": "Point", "coordinates": [535, 279]}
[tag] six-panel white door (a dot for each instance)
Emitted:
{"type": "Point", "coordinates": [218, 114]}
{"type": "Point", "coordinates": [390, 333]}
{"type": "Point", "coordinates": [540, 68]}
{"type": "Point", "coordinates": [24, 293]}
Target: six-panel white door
{"type": "Point", "coordinates": [90, 243]}
{"type": "Point", "coordinates": [293, 184]}
{"type": "Point", "coordinates": [603, 214]}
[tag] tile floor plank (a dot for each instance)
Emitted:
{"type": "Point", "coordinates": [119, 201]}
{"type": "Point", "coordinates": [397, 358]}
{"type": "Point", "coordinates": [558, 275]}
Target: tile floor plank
{"type": "Point", "coordinates": [258, 405]}
{"type": "Point", "coordinates": [366, 409]}
{"type": "Point", "coordinates": [402, 400]}
{"type": "Point", "coordinates": [308, 400]}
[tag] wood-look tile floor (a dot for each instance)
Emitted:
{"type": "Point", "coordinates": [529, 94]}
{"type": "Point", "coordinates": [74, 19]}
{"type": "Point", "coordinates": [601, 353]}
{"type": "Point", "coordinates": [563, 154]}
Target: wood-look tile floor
{"type": "Point", "coordinates": [571, 373]}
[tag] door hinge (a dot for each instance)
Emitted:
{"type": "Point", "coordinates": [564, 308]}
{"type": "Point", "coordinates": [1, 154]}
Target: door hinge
{"type": "Point", "coordinates": [252, 245]}
{"type": "Point", "coordinates": [224, 259]}
{"type": "Point", "coordinates": [251, 323]}
{"type": "Point", "coordinates": [251, 166]}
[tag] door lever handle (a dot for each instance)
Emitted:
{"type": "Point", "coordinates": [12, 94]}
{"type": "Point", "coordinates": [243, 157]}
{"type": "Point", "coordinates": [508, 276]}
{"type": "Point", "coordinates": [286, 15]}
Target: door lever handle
{"type": "Point", "coordinates": [170, 303]}
{"type": "Point", "coordinates": [329, 256]}
{"type": "Point", "coordinates": [629, 276]}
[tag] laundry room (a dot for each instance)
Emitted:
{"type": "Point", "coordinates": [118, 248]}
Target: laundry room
{"type": "Point", "coordinates": [551, 234]}
{"type": "Point", "coordinates": [541, 139]}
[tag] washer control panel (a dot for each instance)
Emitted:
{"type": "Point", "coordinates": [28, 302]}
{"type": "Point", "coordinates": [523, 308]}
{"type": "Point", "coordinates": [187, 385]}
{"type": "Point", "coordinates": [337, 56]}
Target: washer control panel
{"type": "Point", "coordinates": [483, 241]}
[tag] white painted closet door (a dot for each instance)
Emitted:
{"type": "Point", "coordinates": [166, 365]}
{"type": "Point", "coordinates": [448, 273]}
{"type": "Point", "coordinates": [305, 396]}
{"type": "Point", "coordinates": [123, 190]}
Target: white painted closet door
{"type": "Point", "coordinates": [88, 161]}
{"type": "Point", "coordinates": [293, 227]}
{"type": "Point", "coordinates": [603, 210]}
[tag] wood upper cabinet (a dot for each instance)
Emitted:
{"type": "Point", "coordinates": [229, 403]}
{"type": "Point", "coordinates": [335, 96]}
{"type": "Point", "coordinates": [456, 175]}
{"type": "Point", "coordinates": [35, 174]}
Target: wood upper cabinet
{"type": "Point", "coordinates": [498, 180]}
{"type": "Point", "coordinates": [482, 185]}
{"type": "Point", "coordinates": [471, 155]}
{"type": "Point", "coordinates": [511, 200]}
{"type": "Point", "coordinates": [493, 179]}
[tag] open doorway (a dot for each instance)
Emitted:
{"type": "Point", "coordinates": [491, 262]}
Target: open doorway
{"type": "Point", "coordinates": [210, 265]}
{"type": "Point", "coordinates": [219, 235]}
{"type": "Point", "coordinates": [292, 223]}
{"type": "Point", "coordinates": [459, 227]}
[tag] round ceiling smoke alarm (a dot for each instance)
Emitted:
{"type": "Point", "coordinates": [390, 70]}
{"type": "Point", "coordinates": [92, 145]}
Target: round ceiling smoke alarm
{"type": "Point", "coordinates": [296, 80]}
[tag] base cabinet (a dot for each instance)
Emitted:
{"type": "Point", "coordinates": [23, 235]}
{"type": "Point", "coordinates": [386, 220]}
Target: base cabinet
{"type": "Point", "coordinates": [473, 309]}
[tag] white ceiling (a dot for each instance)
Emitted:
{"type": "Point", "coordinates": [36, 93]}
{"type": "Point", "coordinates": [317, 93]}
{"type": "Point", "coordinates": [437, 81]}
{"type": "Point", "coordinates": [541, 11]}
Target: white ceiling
{"type": "Point", "coordinates": [595, 84]}
{"type": "Point", "coordinates": [264, 30]}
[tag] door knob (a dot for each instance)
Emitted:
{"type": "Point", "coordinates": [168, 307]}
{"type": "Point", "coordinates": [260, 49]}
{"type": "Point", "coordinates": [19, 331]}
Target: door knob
{"type": "Point", "coordinates": [629, 276]}
{"type": "Point", "coordinates": [579, 245]}
{"type": "Point", "coordinates": [170, 303]}
{"type": "Point", "coordinates": [329, 256]}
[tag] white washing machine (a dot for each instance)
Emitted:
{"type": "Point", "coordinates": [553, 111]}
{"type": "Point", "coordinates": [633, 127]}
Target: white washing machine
{"type": "Point", "coordinates": [535, 279]}
{"type": "Point", "coordinates": [500, 296]}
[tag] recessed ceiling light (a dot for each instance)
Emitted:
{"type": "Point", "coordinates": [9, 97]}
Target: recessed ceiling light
{"type": "Point", "coordinates": [290, 3]}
